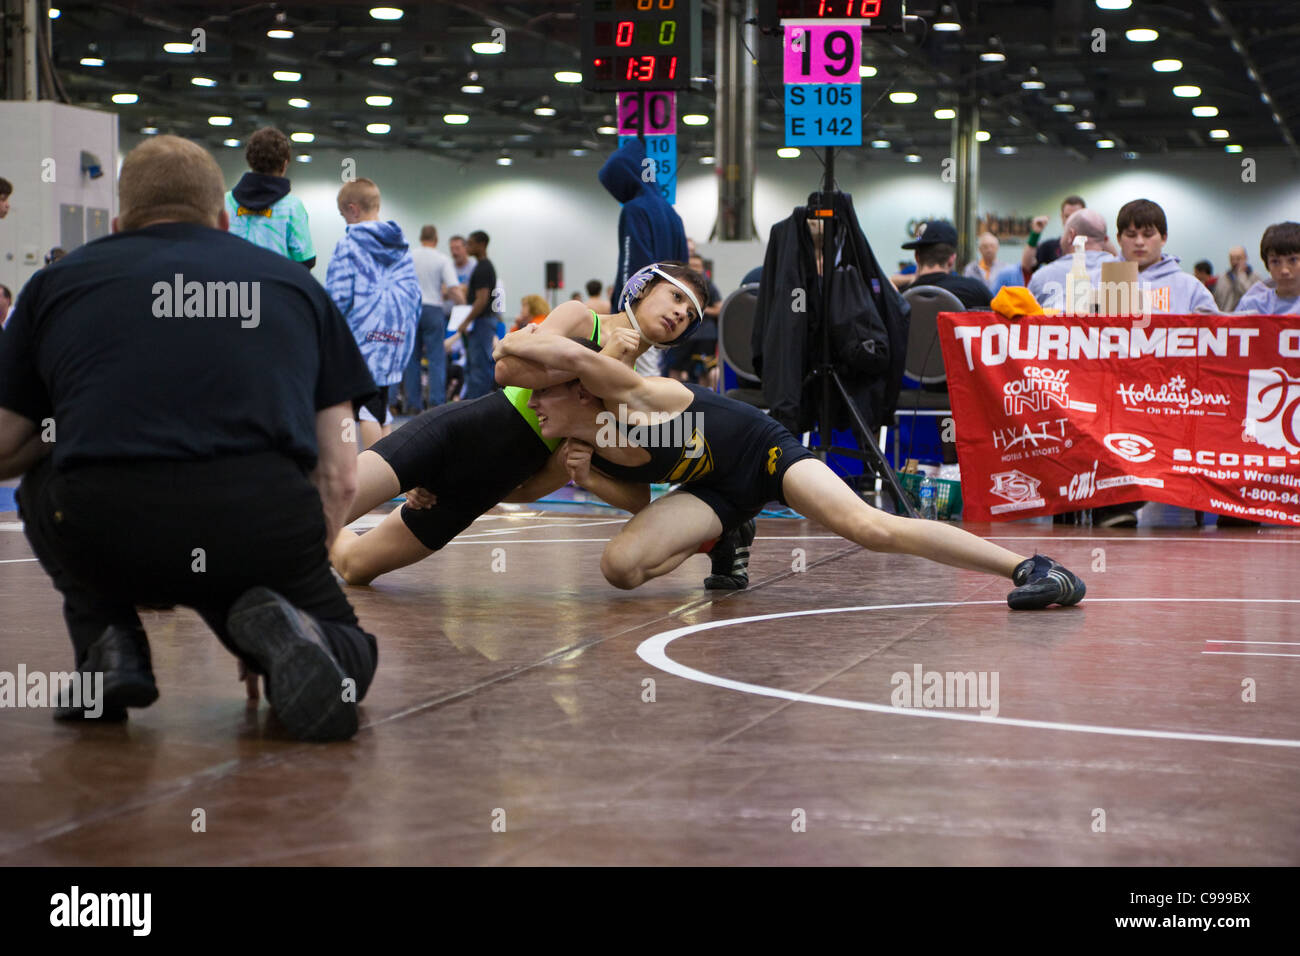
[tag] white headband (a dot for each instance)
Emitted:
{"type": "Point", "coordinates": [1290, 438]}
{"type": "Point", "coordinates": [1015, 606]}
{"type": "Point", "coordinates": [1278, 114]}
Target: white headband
{"type": "Point", "coordinates": [641, 278]}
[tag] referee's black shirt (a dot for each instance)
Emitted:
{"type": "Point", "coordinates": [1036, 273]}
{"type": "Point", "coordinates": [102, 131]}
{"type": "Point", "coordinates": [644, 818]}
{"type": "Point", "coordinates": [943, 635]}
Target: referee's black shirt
{"type": "Point", "coordinates": [130, 368]}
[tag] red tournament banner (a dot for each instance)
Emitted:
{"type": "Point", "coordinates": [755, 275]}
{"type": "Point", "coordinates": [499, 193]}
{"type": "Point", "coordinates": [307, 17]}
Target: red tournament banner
{"type": "Point", "coordinates": [1063, 413]}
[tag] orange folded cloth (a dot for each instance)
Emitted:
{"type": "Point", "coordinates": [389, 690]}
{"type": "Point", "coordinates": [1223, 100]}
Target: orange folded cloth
{"type": "Point", "coordinates": [1013, 301]}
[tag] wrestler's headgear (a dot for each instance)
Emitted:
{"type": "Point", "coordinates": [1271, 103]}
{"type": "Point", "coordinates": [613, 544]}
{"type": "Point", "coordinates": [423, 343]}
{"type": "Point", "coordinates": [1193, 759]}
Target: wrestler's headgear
{"type": "Point", "coordinates": [638, 283]}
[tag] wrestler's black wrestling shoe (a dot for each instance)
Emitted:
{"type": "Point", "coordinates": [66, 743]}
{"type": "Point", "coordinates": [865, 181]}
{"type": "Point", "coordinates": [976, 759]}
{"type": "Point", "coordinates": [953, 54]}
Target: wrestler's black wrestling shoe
{"type": "Point", "coordinates": [730, 557]}
{"type": "Point", "coordinates": [121, 654]}
{"type": "Point", "coordinates": [304, 683]}
{"type": "Point", "coordinates": [1041, 582]}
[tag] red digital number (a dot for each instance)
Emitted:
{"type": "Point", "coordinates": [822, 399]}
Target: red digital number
{"type": "Point", "coordinates": [623, 36]}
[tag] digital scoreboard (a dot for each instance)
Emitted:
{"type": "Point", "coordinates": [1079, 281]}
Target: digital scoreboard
{"type": "Point", "coordinates": [640, 44]}
{"type": "Point", "coordinates": [873, 14]}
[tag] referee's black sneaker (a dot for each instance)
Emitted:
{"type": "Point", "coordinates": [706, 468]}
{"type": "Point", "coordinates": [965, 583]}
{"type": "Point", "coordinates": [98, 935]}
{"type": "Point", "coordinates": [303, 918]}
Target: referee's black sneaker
{"type": "Point", "coordinates": [121, 655]}
{"type": "Point", "coordinates": [304, 683]}
{"type": "Point", "coordinates": [1041, 582]}
{"type": "Point", "coordinates": [730, 557]}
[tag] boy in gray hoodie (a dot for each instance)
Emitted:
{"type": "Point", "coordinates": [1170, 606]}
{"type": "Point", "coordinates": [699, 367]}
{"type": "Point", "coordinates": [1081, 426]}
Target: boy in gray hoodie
{"type": "Point", "coordinates": [1142, 232]}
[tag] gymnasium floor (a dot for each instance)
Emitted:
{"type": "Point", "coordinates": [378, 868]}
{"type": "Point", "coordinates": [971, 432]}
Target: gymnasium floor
{"type": "Point", "coordinates": [510, 720]}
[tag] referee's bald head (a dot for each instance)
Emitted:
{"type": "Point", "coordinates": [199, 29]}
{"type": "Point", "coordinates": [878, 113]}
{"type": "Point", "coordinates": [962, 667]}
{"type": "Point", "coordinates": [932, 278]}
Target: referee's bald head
{"type": "Point", "coordinates": [167, 178]}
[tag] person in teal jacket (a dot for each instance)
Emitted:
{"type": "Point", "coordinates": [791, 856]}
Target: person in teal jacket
{"type": "Point", "coordinates": [260, 207]}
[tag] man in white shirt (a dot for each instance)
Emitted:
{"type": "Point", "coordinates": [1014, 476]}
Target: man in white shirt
{"type": "Point", "coordinates": [439, 290]}
{"type": "Point", "coordinates": [1048, 283]}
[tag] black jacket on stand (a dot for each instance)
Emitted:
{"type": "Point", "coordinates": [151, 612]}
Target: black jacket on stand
{"type": "Point", "coordinates": [868, 326]}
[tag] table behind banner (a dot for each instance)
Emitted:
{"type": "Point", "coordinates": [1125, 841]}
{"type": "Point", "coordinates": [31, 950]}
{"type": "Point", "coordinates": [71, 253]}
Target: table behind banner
{"type": "Point", "coordinates": [1057, 413]}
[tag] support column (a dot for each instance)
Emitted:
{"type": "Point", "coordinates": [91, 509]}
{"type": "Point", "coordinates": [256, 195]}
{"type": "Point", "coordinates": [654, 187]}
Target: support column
{"type": "Point", "coordinates": [966, 152]}
{"type": "Point", "coordinates": [735, 112]}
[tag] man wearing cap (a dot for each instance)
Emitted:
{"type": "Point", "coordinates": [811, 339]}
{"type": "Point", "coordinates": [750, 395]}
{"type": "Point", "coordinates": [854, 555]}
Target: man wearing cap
{"type": "Point", "coordinates": [936, 257]}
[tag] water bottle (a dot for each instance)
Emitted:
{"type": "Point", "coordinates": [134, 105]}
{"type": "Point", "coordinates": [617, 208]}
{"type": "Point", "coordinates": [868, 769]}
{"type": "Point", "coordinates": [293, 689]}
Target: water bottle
{"type": "Point", "coordinates": [929, 493]}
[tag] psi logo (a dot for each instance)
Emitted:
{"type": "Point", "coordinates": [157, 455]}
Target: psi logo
{"type": "Point", "coordinates": [1130, 447]}
{"type": "Point", "coordinates": [1273, 408]}
{"type": "Point", "coordinates": [1020, 491]}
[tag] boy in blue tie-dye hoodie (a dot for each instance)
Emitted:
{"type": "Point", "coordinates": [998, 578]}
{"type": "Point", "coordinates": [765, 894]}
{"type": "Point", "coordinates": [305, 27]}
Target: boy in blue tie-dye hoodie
{"type": "Point", "coordinates": [372, 280]}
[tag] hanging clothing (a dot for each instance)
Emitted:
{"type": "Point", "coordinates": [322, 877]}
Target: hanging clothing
{"type": "Point", "coordinates": [867, 323]}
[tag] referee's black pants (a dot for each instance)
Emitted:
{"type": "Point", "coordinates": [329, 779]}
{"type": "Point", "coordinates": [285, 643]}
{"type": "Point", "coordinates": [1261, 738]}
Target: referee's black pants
{"type": "Point", "coordinates": [200, 534]}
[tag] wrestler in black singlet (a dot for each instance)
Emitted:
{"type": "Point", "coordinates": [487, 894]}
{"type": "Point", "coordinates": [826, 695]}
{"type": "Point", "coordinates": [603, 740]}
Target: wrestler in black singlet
{"type": "Point", "coordinates": [470, 454]}
{"type": "Point", "coordinates": [728, 454]}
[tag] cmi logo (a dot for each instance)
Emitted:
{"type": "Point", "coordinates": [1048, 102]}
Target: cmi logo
{"type": "Point", "coordinates": [1130, 447]}
{"type": "Point", "coordinates": [1273, 409]}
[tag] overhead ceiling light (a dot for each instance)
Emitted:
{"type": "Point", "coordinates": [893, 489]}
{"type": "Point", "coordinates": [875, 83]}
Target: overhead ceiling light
{"type": "Point", "coordinates": [1042, 138]}
{"type": "Point", "coordinates": [707, 160]}
{"type": "Point", "coordinates": [287, 76]}
{"type": "Point", "coordinates": [1218, 134]}
{"type": "Point", "coordinates": [1085, 124]}
{"type": "Point", "coordinates": [91, 61]}
{"type": "Point", "coordinates": [606, 130]}
{"type": "Point", "coordinates": [568, 76]}
{"type": "Point", "coordinates": [1006, 150]}
{"type": "Point", "coordinates": [982, 136]}
{"type": "Point", "coordinates": [695, 119]}
{"type": "Point", "coordinates": [880, 144]}
{"type": "Point", "coordinates": [303, 157]}
{"type": "Point", "coordinates": [379, 99]}
{"type": "Point", "coordinates": [125, 98]}
{"type": "Point", "coordinates": [788, 152]}
{"type": "Point", "coordinates": [1167, 66]}
{"type": "Point", "coordinates": [1205, 111]}
{"type": "Point", "coordinates": [504, 160]}
{"type": "Point", "coordinates": [1130, 155]}
{"type": "Point", "coordinates": [203, 81]}
{"type": "Point", "coordinates": [230, 142]}
{"type": "Point", "coordinates": [1142, 35]}
{"type": "Point", "coordinates": [577, 152]}
{"type": "Point", "coordinates": [902, 96]}
{"type": "Point", "coordinates": [544, 111]}
{"type": "Point", "coordinates": [487, 47]}
{"type": "Point", "coordinates": [912, 158]}
{"type": "Point", "coordinates": [379, 129]}
{"type": "Point", "coordinates": [178, 47]}
{"type": "Point", "coordinates": [386, 13]}
{"type": "Point", "coordinates": [219, 120]}
{"type": "Point", "coordinates": [299, 103]}
{"type": "Point", "coordinates": [384, 61]}
{"type": "Point", "coordinates": [1187, 92]}
{"type": "Point", "coordinates": [280, 34]}
{"type": "Point", "coordinates": [1063, 107]}
{"type": "Point", "coordinates": [993, 56]}
{"type": "Point", "coordinates": [1234, 148]}
{"type": "Point", "coordinates": [866, 69]}
{"type": "Point", "coordinates": [945, 114]}
{"type": "Point", "coordinates": [1105, 144]}
{"type": "Point", "coordinates": [1033, 85]}
{"type": "Point", "coordinates": [1114, 4]}
{"type": "Point", "coordinates": [471, 88]}
{"type": "Point", "coordinates": [455, 119]}
{"type": "Point", "coordinates": [149, 130]}
{"type": "Point", "coordinates": [303, 137]}
{"type": "Point", "coordinates": [947, 26]}
{"type": "Point", "coordinates": [55, 13]}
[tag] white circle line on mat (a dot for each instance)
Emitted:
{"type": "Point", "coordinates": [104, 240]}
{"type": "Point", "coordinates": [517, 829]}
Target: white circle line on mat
{"type": "Point", "coordinates": [653, 651]}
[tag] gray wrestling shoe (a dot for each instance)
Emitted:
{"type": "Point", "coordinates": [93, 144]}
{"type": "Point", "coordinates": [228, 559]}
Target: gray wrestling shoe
{"type": "Point", "coordinates": [1041, 582]}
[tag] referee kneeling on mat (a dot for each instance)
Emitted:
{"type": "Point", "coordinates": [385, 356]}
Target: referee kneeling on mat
{"type": "Point", "coordinates": [181, 404]}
